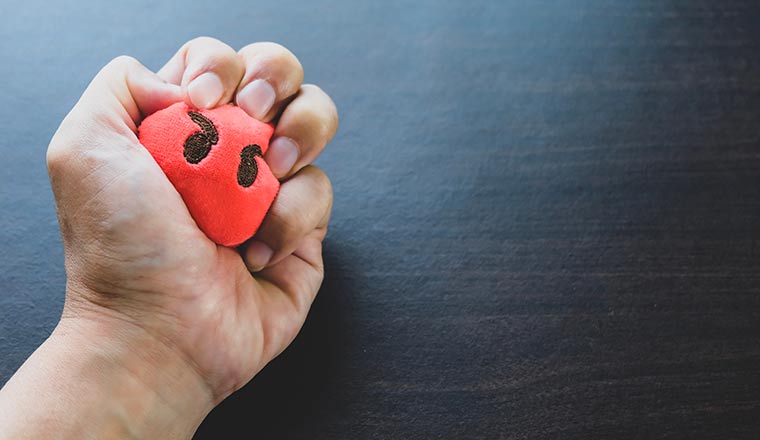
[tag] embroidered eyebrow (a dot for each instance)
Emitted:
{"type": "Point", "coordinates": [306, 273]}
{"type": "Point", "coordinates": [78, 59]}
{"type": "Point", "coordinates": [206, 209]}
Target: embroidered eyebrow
{"type": "Point", "coordinates": [206, 125]}
{"type": "Point", "coordinates": [198, 145]}
{"type": "Point", "coordinates": [248, 169]}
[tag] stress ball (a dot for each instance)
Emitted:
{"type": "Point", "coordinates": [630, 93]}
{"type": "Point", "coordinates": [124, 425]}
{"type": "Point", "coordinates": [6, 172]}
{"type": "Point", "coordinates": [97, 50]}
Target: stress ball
{"type": "Point", "coordinates": [214, 160]}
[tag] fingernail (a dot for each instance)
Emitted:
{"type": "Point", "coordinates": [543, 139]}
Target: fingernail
{"type": "Point", "coordinates": [257, 98]}
{"type": "Point", "coordinates": [281, 156]}
{"type": "Point", "coordinates": [257, 255]}
{"type": "Point", "coordinates": [205, 90]}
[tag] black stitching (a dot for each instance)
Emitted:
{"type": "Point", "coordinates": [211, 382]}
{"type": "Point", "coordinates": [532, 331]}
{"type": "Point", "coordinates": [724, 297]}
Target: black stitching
{"type": "Point", "coordinates": [248, 168]}
{"type": "Point", "coordinates": [198, 145]}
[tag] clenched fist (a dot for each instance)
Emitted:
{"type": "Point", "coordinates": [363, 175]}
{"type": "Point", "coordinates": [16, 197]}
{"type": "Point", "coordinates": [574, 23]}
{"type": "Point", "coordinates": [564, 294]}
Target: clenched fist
{"type": "Point", "coordinates": [160, 323]}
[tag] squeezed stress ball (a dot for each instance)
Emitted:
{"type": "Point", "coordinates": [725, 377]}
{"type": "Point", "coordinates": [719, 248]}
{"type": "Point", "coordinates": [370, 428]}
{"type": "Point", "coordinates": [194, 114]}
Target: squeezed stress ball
{"type": "Point", "coordinates": [214, 160]}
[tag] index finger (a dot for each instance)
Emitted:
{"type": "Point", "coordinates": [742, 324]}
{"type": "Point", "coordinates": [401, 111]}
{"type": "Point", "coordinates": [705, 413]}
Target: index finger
{"type": "Point", "coordinates": [208, 71]}
{"type": "Point", "coordinates": [272, 76]}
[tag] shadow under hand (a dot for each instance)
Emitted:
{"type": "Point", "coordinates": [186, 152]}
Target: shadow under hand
{"type": "Point", "coordinates": [296, 390]}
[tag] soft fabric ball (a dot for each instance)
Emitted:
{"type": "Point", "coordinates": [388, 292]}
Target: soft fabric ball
{"type": "Point", "coordinates": [214, 160]}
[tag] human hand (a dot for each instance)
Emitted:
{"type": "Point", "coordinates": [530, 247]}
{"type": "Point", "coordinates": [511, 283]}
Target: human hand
{"type": "Point", "coordinates": [143, 282]}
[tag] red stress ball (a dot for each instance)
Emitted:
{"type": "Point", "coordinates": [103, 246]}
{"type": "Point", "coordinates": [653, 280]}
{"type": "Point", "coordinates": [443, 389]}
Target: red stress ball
{"type": "Point", "coordinates": [214, 160]}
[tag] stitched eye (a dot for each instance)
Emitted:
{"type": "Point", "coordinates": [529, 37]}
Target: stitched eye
{"type": "Point", "coordinates": [198, 145]}
{"type": "Point", "coordinates": [248, 169]}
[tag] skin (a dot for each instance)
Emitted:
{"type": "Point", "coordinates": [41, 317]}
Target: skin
{"type": "Point", "coordinates": [159, 323]}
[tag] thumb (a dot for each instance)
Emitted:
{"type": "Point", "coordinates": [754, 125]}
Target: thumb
{"type": "Point", "coordinates": [117, 99]}
{"type": "Point", "coordinates": [129, 89]}
{"type": "Point", "coordinates": [103, 123]}
{"type": "Point", "coordinates": [96, 145]}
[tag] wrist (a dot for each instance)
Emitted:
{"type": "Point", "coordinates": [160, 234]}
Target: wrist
{"type": "Point", "coordinates": [105, 377]}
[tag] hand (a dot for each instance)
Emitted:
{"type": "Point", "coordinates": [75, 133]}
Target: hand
{"type": "Point", "coordinates": [140, 275]}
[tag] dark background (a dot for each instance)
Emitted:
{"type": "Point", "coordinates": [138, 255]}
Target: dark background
{"type": "Point", "coordinates": [546, 216]}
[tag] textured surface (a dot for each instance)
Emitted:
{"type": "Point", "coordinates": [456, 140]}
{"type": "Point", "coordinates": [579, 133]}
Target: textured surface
{"type": "Point", "coordinates": [202, 155]}
{"type": "Point", "coordinates": [546, 217]}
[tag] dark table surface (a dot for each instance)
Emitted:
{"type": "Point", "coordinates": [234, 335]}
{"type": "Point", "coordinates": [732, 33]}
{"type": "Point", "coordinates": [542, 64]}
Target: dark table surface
{"type": "Point", "coordinates": [546, 222]}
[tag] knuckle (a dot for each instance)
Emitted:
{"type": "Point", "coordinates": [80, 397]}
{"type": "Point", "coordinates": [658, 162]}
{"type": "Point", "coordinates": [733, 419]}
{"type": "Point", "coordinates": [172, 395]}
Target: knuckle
{"type": "Point", "coordinates": [316, 124]}
{"type": "Point", "coordinates": [314, 120]}
{"type": "Point", "coordinates": [301, 302]}
{"type": "Point", "coordinates": [325, 114]}
{"type": "Point", "coordinates": [62, 150]}
{"type": "Point", "coordinates": [281, 328]}
{"type": "Point", "coordinates": [209, 44]}
{"type": "Point", "coordinates": [332, 116]}
{"type": "Point", "coordinates": [312, 89]}
{"type": "Point", "coordinates": [204, 40]}
{"type": "Point", "coordinates": [322, 185]}
{"type": "Point", "coordinates": [286, 57]}
{"type": "Point", "coordinates": [56, 156]}
{"type": "Point", "coordinates": [207, 53]}
{"type": "Point", "coordinates": [276, 55]}
{"type": "Point", "coordinates": [289, 225]}
{"type": "Point", "coordinates": [291, 68]}
{"type": "Point", "coordinates": [275, 51]}
{"type": "Point", "coordinates": [118, 68]}
{"type": "Point", "coordinates": [321, 191]}
{"type": "Point", "coordinates": [122, 62]}
{"type": "Point", "coordinates": [288, 220]}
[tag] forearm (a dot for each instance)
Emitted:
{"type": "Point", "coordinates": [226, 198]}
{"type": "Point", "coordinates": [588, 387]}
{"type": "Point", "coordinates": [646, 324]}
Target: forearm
{"type": "Point", "coordinates": [90, 381]}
